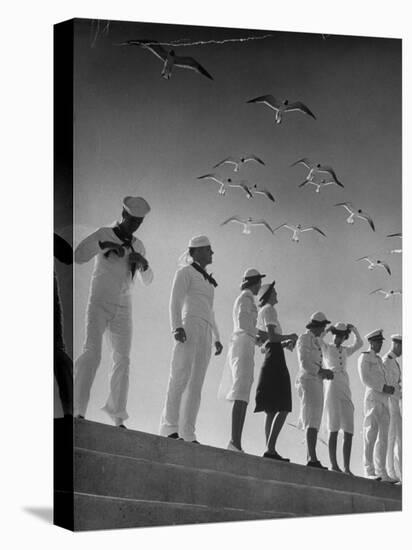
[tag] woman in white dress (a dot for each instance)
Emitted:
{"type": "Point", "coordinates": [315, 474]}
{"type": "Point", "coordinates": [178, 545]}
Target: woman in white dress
{"type": "Point", "coordinates": [240, 359]}
{"type": "Point", "coordinates": [339, 409]}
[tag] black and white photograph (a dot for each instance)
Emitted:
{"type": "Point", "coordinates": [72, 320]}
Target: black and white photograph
{"type": "Point", "coordinates": [226, 223]}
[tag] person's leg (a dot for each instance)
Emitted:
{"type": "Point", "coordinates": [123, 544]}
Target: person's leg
{"type": "Point", "coordinates": [311, 440]}
{"type": "Point", "coordinates": [333, 440]}
{"type": "Point", "coordinates": [120, 338]}
{"type": "Point", "coordinates": [347, 449]}
{"type": "Point", "coordinates": [370, 432]}
{"type": "Point", "coordinates": [398, 443]}
{"type": "Point", "coordinates": [87, 363]}
{"type": "Point", "coordinates": [382, 442]}
{"type": "Point", "coordinates": [277, 425]}
{"type": "Point", "coordinates": [268, 424]}
{"type": "Point", "coordinates": [238, 421]}
{"type": "Point", "coordinates": [180, 368]}
{"type": "Point", "coordinates": [191, 400]}
{"type": "Point", "coordinates": [390, 462]}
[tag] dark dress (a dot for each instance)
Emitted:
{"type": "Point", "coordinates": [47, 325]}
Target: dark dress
{"type": "Point", "coordinates": [273, 393]}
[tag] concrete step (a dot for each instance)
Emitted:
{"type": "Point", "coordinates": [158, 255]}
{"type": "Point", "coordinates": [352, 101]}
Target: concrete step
{"type": "Point", "coordinates": [134, 444]}
{"type": "Point", "coordinates": [122, 512]}
{"type": "Point", "coordinates": [107, 474]}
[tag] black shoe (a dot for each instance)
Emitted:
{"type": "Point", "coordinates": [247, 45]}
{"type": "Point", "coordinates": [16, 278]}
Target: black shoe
{"type": "Point", "coordinates": [316, 464]}
{"type": "Point", "coordinates": [174, 436]}
{"type": "Point", "coordinates": [122, 426]}
{"type": "Point", "coordinates": [80, 417]}
{"type": "Point", "coordinates": [194, 441]}
{"type": "Point", "coordinates": [275, 456]}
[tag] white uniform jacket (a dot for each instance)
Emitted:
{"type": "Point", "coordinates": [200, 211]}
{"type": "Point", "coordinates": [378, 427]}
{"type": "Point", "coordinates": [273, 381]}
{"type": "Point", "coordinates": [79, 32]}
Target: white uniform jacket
{"type": "Point", "coordinates": [192, 296]}
{"type": "Point", "coordinates": [393, 374]}
{"type": "Point", "coordinates": [372, 375]}
{"type": "Point", "coordinates": [310, 356]}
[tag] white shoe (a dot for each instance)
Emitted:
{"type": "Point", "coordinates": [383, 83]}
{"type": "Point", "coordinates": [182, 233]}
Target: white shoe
{"type": "Point", "coordinates": [373, 477]}
{"type": "Point", "coordinates": [231, 447]}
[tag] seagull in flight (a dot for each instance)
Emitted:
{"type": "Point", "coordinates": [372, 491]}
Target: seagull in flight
{"type": "Point", "coordinates": [247, 223]}
{"type": "Point", "coordinates": [222, 183]}
{"type": "Point", "coordinates": [387, 293]}
{"type": "Point", "coordinates": [375, 263]}
{"type": "Point", "coordinates": [243, 185]}
{"type": "Point", "coordinates": [264, 192]}
{"type": "Point", "coordinates": [282, 106]}
{"type": "Point", "coordinates": [297, 229]}
{"type": "Point", "coordinates": [356, 214]}
{"type": "Point", "coordinates": [317, 169]}
{"type": "Point", "coordinates": [395, 235]}
{"type": "Point", "coordinates": [322, 183]}
{"type": "Point", "coordinates": [169, 57]}
{"type": "Point", "coordinates": [237, 162]}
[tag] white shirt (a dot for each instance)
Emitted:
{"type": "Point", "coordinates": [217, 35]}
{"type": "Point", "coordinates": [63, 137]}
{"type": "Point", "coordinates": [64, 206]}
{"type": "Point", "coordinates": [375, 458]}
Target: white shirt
{"type": "Point", "coordinates": [372, 375]}
{"type": "Point", "coordinates": [335, 357]}
{"type": "Point", "coordinates": [192, 296]}
{"type": "Point", "coordinates": [245, 314]}
{"type": "Point", "coordinates": [112, 279]}
{"type": "Point", "coordinates": [393, 374]}
{"type": "Point", "coordinates": [310, 356]}
{"type": "Point", "coordinates": [268, 316]}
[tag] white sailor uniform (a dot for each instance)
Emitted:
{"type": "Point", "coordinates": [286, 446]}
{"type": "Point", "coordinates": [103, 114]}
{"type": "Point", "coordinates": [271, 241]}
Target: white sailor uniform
{"type": "Point", "coordinates": [339, 408]}
{"type": "Point", "coordinates": [394, 452]}
{"type": "Point", "coordinates": [109, 308]}
{"type": "Point", "coordinates": [376, 413]}
{"type": "Point", "coordinates": [191, 307]}
{"type": "Point", "coordinates": [308, 381]}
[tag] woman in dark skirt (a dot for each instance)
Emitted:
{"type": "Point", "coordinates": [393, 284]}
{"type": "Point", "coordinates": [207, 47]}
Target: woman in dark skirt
{"type": "Point", "coordinates": [273, 394]}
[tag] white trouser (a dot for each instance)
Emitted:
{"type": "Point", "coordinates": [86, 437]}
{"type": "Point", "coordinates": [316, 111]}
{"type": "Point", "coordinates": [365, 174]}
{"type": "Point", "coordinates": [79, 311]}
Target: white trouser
{"type": "Point", "coordinates": [187, 373]}
{"type": "Point", "coordinates": [394, 453]}
{"type": "Point", "coordinates": [117, 320]}
{"type": "Point", "coordinates": [375, 438]}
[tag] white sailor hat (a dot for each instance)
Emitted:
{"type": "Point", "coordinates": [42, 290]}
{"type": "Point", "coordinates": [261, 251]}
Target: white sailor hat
{"type": "Point", "coordinates": [136, 206]}
{"type": "Point", "coordinates": [251, 273]}
{"type": "Point", "coordinates": [375, 335]}
{"type": "Point", "coordinates": [198, 241]}
{"type": "Point", "coordinates": [317, 320]}
{"type": "Point", "coordinates": [396, 338]}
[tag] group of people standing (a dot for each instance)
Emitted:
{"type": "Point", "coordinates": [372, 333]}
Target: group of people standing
{"type": "Point", "coordinates": [120, 256]}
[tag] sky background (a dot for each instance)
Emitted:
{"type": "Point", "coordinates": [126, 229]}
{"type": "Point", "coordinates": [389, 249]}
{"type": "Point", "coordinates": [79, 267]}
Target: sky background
{"type": "Point", "coordinates": [138, 134]}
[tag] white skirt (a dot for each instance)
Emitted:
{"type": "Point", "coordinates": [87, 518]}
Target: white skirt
{"type": "Point", "coordinates": [310, 392]}
{"type": "Point", "coordinates": [339, 409]}
{"type": "Point", "coordinates": [237, 378]}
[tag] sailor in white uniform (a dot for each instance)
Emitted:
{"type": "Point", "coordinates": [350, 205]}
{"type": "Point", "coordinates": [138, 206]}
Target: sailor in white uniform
{"type": "Point", "coordinates": [339, 408]}
{"type": "Point", "coordinates": [240, 360]}
{"type": "Point", "coordinates": [193, 326]}
{"type": "Point", "coordinates": [119, 256]}
{"type": "Point", "coordinates": [394, 378]}
{"type": "Point", "coordinates": [376, 408]}
{"type": "Point", "coordinates": [309, 383]}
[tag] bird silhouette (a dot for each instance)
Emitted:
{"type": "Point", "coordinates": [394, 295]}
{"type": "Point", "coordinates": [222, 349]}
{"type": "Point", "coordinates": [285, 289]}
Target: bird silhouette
{"type": "Point", "coordinates": [282, 106]}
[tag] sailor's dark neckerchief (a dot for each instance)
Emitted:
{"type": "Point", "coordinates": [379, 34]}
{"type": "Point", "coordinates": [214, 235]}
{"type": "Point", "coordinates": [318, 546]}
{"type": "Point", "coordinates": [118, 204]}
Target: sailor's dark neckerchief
{"type": "Point", "coordinates": [127, 242]}
{"type": "Point", "coordinates": [205, 274]}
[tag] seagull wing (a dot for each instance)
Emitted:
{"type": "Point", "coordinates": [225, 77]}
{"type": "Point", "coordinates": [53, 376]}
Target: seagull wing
{"type": "Point", "coordinates": [335, 182]}
{"type": "Point", "coordinates": [305, 161]}
{"type": "Point", "coordinates": [229, 160]}
{"type": "Point", "coordinates": [267, 194]}
{"type": "Point", "coordinates": [299, 106]}
{"type": "Point", "coordinates": [397, 292]}
{"type": "Point", "coordinates": [268, 100]}
{"type": "Point", "coordinates": [395, 235]}
{"type": "Point", "coordinates": [364, 258]}
{"type": "Point", "coordinates": [212, 177]}
{"type": "Point", "coordinates": [378, 290]}
{"type": "Point", "coordinates": [158, 51]}
{"type": "Point", "coordinates": [262, 222]}
{"type": "Point", "coordinates": [233, 219]}
{"type": "Point", "coordinates": [313, 227]}
{"type": "Point", "coordinates": [284, 225]}
{"type": "Point", "coordinates": [385, 265]}
{"type": "Point", "coordinates": [367, 218]}
{"type": "Point", "coordinates": [191, 63]}
{"type": "Point", "coordinates": [347, 205]}
{"type": "Point", "coordinates": [304, 183]}
{"type": "Point", "coordinates": [253, 157]}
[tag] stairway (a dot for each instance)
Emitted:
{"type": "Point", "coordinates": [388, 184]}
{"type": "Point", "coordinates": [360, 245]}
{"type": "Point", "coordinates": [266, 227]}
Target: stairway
{"type": "Point", "coordinates": [118, 478]}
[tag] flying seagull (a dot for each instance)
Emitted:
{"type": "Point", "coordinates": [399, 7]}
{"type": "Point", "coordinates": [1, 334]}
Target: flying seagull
{"type": "Point", "coordinates": [395, 235]}
{"type": "Point", "coordinates": [169, 58]}
{"type": "Point", "coordinates": [244, 186]}
{"type": "Point", "coordinates": [375, 263]}
{"type": "Point", "coordinates": [247, 223]}
{"type": "Point", "coordinates": [387, 293]}
{"type": "Point", "coordinates": [322, 183]}
{"type": "Point", "coordinates": [222, 183]}
{"type": "Point", "coordinates": [264, 192]}
{"type": "Point", "coordinates": [356, 214]}
{"type": "Point", "coordinates": [282, 106]}
{"type": "Point", "coordinates": [237, 162]}
{"type": "Point", "coordinates": [317, 169]}
{"type": "Point", "coordinates": [297, 229]}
